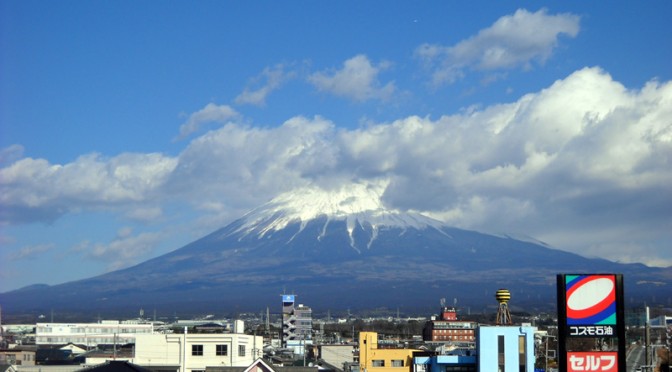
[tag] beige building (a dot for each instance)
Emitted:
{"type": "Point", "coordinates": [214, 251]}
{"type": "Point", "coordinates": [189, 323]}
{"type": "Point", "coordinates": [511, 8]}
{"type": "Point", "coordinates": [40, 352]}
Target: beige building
{"type": "Point", "coordinates": [190, 352]}
{"type": "Point", "coordinates": [18, 356]}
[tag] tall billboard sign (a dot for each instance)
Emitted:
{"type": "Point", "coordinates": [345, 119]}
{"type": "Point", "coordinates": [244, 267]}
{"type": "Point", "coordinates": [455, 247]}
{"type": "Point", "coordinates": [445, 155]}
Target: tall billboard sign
{"type": "Point", "coordinates": [590, 306]}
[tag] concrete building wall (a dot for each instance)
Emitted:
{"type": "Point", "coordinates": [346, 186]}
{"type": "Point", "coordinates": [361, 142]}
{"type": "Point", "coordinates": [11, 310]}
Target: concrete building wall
{"type": "Point", "coordinates": [18, 357]}
{"type": "Point", "coordinates": [373, 359]}
{"type": "Point", "coordinates": [89, 334]}
{"type": "Point", "coordinates": [336, 355]}
{"type": "Point", "coordinates": [94, 361]}
{"type": "Point", "coordinates": [197, 351]}
{"type": "Point", "coordinates": [516, 342]}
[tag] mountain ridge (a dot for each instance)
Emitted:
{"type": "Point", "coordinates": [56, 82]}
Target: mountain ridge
{"type": "Point", "coordinates": [368, 257]}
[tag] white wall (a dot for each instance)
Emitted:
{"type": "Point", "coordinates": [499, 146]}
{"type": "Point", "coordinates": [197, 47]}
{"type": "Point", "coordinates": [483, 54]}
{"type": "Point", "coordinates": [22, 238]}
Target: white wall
{"type": "Point", "coordinates": [487, 344]}
{"type": "Point", "coordinates": [336, 355]}
{"type": "Point", "coordinates": [176, 349]}
{"type": "Point", "coordinates": [90, 334]}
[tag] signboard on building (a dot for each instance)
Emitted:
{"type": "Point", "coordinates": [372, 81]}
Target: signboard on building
{"type": "Point", "coordinates": [590, 306]}
{"type": "Point", "coordinates": [592, 361]}
{"type": "Point", "coordinates": [288, 298]}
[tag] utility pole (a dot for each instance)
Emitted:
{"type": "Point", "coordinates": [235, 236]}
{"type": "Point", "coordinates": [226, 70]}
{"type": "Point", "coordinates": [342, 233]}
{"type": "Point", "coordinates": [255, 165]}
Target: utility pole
{"type": "Point", "coordinates": [647, 339]}
{"type": "Point", "coordinates": [303, 340]}
{"type": "Point", "coordinates": [2, 331]}
{"type": "Point", "coordinates": [184, 350]}
{"type": "Point", "coordinates": [668, 341]}
{"type": "Point", "coordinates": [546, 351]}
{"type": "Point", "coordinates": [546, 355]}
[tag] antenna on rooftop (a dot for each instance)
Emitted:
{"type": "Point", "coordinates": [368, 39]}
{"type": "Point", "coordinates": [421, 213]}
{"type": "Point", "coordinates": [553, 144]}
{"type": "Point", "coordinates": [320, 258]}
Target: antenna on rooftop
{"type": "Point", "coordinates": [442, 301]}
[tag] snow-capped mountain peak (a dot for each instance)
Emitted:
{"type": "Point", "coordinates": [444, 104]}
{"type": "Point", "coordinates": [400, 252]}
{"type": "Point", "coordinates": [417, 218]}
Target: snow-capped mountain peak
{"type": "Point", "coordinates": [358, 204]}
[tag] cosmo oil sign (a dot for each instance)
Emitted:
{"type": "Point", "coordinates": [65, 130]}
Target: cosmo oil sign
{"type": "Point", "coordinates": [591, 306]}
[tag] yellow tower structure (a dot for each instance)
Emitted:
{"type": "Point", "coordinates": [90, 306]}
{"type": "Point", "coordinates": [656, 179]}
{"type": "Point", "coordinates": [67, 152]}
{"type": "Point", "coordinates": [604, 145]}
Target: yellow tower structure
{"type": "Point", "coordinates": [503, 314]}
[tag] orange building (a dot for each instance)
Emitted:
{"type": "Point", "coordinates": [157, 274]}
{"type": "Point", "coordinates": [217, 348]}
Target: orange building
{"type": "Point", "coordinates": [374, 359]}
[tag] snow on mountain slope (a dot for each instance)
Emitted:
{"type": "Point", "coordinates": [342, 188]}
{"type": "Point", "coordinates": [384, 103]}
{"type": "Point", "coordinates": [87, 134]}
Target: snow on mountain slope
{"type": "Point", "coordinates": [360, 205]}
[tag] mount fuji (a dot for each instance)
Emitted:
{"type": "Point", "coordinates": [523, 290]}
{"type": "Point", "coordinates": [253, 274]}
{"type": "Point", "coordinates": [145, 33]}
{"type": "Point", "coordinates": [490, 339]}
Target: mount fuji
{"type": "Point", "coordinates": [337, 249]}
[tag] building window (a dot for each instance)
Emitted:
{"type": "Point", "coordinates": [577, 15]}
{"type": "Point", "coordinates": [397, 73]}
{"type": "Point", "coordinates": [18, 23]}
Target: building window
{"type": "Point", "coordinates": [222, 350]}
{"type": "Point", "coordinates": [397, 362]}
{"type": "Point", "coordinates": [378, 363]}
{"type": "Point", "coordinates": [196, 349]}
{"type": "Point", "coordinates": [241, 350]}
{"type": "Point", "coordinates": [500, 353]}
{"type": "Point", "coordinates": [522, 354]}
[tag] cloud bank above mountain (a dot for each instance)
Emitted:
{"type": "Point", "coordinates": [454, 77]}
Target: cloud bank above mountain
{"type": "Point", "coordinates": [583, 164]}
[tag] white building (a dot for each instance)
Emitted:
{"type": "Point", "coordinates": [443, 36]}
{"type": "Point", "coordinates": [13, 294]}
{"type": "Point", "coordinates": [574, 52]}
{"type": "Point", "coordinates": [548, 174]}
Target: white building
{"type": "Point", "coordinates": [505, 348]}
{"type": "Point", "coordinates": [90, 334]}
{"type": "Point", "coordinates": [196, 351]}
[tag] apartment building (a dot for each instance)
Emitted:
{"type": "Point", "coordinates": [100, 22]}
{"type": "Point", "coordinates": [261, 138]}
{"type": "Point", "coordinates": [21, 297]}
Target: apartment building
{"type": "Point", "coordinates": [90, 334]}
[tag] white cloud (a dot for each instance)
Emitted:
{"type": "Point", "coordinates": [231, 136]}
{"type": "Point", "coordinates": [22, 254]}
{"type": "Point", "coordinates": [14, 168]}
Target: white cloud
{"type": "Point", "coordinates": [357, 80]}
{"type": "Point", "coordinates": [123, 251]}
{"type": "Point", "coordinates": [512, 41]}
{"type": "Point", "coordinates": [583, 154]}
{"type": "Point", "coordinates": [211, 113]}
{"type": "Point", "coordinates": [145, 214]}
{"type": "Point", "coordinates": [245, 164]}
{"type": "Point", "coordinates": [35, 190]}
{"type": "Point", "coordinates": [11, 154]}
{"type": "Point", "coordinates": [29, 251]}
{"type": "Point", "coordinates": [273, 78]}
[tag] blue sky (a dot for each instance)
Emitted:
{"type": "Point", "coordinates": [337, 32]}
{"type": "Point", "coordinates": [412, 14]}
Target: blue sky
{"type": "Point", "coordinates": [128, 129]}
